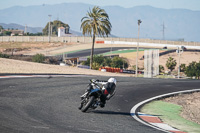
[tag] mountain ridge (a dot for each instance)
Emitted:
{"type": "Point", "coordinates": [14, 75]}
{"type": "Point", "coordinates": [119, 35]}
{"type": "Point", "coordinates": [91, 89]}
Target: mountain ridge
{"type": "Point", "coordinates": [179, 23]}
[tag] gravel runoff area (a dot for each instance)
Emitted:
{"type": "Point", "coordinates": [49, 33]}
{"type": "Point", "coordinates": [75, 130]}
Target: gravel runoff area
{"type": "Point", "coordinates": [190, 104]}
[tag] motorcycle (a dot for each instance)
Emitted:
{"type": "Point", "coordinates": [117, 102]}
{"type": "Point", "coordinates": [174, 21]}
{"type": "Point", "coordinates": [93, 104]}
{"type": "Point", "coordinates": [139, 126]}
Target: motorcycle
{"type": "Point", "coordinates": [91, 98]}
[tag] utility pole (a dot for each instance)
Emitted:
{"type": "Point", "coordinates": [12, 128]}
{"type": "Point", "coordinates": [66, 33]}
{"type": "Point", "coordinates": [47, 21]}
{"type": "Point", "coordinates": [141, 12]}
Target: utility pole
{"type": "Point", "coordinates": [49, 28]}
{"type": "Point", "coordinates": [111, 49]}
{"type": "Point", "coordinates": [26, 29]}
{"type": "Point", "coordinates": [163, 30]}
{"type": "Point", "coordinates": [139, 22]}
{"type": "Point", "coordinates": [179, 51]}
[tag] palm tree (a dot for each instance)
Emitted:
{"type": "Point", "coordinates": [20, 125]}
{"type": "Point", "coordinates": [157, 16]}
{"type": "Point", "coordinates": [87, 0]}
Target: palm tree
{"type": "Point", "coordinates": [95, 23]}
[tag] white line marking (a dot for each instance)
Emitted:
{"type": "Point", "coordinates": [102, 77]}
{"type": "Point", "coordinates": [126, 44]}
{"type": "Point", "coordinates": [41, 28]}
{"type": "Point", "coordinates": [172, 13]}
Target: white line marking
{"type": "Point", "coordinates": [164, 126]}
{"type": "Point", "coordinates": [90, 130]}
{"type": "Point", "coordinates": [40, 127]}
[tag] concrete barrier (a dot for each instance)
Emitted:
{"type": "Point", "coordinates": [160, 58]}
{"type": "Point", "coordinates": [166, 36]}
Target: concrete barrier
{"type": "Point", "coordinates": [159, 45]}
{"type": "Point", "coordinates": [111, 40]}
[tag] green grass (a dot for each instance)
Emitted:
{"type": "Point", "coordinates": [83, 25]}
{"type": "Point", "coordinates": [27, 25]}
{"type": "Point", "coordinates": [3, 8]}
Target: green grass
{"type": "Point", "coordinates": [170, 114]}
{"type": "Point", "coordinates": [122, 51]}
{"type": "Point", "coordinates": [164, 76]}
{"type": "Point", "coordinates": [70, 52]}
{"type": "Point", "coordinates": [107, 53]}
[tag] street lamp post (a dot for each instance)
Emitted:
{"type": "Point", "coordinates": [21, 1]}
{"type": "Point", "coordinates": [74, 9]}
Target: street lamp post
{"type": "Point", "coordinates": [111, 49]}
{"type": "Point", "coordinates": [49, 28]}
{"type": "Point", "coordinates": [179, 51]}
{"type": "Point", "coordinates": [139, 22]}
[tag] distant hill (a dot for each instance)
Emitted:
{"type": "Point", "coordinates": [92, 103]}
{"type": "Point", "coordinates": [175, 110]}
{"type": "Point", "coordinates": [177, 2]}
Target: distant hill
{"type": "Point", "coordinates": [179, 23]}
{"type": "Point", "coordinates": [31, 29]}
{"type": "Point", "coordinates": [20, 27]}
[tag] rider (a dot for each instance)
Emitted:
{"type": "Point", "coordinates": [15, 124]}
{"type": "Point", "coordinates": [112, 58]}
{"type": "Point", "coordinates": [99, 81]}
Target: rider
{"type": "Point", "coordinates": [108, 89]}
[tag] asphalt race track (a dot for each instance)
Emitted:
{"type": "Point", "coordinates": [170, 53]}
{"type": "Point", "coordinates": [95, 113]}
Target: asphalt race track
{"type": "Point", "coordinates": [50, 105]}
{"type": "Point", "coordinates": [87, 52]}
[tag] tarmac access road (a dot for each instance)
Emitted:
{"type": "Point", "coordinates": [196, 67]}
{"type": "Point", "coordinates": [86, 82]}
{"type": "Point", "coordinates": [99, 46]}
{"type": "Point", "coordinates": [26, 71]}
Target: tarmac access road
{"type": "Point", "coordinates": [87, 52]}
{"type": "Point", "coordinates": [50, 105]}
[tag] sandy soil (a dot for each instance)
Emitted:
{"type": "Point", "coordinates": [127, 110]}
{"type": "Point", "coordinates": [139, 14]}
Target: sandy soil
{"type": "Point", "coordinates": [186, 58]}
{"type": "Point", "coordinates": [49, 48]}
{"type": "Point", "coordinates": [57, 48]}
{"type": "Point", "coordinates": [190, 104]}
{"type": "Point", "coordinates": [16, 66]}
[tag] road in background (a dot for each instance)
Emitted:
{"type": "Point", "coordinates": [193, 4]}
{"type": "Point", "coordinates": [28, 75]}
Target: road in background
{"type": "Point", "coordinates": [50, 105]}
{"type": "Point", "coordinates": [87, 52]}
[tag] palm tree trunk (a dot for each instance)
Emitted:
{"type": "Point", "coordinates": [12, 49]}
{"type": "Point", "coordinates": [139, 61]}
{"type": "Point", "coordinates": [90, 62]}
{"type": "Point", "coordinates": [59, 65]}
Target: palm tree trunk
{"type": "Point", "coordinates": [92, 52]}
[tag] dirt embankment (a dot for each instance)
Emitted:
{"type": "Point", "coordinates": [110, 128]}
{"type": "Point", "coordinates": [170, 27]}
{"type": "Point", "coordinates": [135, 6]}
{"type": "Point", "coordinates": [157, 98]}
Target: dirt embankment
{"type": "Point", "coordinates": [16, 66]}
{"type": "Point", "coordinates": [190, 104]}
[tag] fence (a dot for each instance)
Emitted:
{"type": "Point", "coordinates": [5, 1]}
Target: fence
{"type": "Point", "coordinates": [88, 40]}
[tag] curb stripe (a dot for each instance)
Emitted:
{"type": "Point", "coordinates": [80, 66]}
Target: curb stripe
{"type": "Point", "coordinates": [151, 119]}
{"type": "Point", "coordinates": [178, 132]}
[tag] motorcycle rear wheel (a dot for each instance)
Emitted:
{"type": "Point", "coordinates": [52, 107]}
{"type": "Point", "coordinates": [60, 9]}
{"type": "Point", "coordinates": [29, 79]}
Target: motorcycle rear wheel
{"type": "Point", "coordinates": [88, 104]}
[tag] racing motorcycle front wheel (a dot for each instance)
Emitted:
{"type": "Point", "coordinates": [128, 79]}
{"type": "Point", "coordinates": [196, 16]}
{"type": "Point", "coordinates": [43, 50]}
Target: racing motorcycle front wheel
{"type": "Point", "coordinates": [87, 103]}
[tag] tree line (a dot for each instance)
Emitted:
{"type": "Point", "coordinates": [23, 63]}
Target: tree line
{"type": "Point", "coordinates": [101, 61]}
{"type": "Point", "coordinates": [192, 70]}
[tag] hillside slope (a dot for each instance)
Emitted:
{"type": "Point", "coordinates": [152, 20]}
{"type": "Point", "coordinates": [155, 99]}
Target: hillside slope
{"type": "Point", "coordinates": [179, 23]}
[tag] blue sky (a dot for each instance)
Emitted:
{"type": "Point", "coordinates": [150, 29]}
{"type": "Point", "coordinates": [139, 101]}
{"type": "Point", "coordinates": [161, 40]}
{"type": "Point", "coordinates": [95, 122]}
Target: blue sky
{"type": "Point", "coordinates": [167, 4]}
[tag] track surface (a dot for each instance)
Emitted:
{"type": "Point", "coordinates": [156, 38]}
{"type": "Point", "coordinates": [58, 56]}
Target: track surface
{"type": "Point", "coordinates": [49, 105]}
{"type": "Point", "coordinates": [87, 52]}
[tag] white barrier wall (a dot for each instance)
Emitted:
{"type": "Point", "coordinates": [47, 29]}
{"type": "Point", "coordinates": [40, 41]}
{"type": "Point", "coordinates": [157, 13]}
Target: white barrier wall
{"type": "Point", "coordinates": [160, 45]}
{"type": "Point", "coordinates": [107, 40]}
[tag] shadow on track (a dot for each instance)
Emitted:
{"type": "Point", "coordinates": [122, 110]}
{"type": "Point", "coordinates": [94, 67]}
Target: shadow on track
{"type": "Point", "coordinates": [110, 112]}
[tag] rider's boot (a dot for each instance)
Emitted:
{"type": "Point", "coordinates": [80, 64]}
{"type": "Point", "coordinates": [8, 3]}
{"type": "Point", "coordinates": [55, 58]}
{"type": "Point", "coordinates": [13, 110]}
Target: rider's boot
{"type": "Point", "coordinates": [102, 100]}
{"type": "Point", "coordinates": [102, 105]}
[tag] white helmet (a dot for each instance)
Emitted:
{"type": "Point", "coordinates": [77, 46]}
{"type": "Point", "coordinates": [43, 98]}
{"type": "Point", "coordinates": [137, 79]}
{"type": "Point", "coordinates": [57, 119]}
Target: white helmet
{"type": "Point", "coordinates": [112, 80]}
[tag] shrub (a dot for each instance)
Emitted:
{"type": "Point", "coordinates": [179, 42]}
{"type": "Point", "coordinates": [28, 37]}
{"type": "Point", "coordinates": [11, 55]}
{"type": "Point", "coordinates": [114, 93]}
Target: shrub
{"type": "Point", "coordinates": [100, 60]}
{"type": "Point", "coordinates": [52, 60]}
{"type": "Point", "coordinates": [183, 68]}
{"type": "Point", "coordinates": [87, 63]}
{"type": "Point", "coordinates": [139, 68]}
{"type": "Point", "coordinates": [4, 55]}
{"type": "Point", "coordinates": [107, 61]}
{"type": "Point", "coordinates": [161, 68]}
{"type": "Point", "coordinates": [38, 58]}
{"type": "Point", "coordinates": [193, 70]}
{"type": "Point", "coordinates": [118, 62]}
{"type": "Point", "coordinates": [171, 63]}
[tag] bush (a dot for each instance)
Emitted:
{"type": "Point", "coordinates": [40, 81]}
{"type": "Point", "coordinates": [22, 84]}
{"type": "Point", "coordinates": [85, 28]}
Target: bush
{"type": "Point", "coordinates": [4, 55]}
{"type": "Point", "coordinates": [52, 60]}
{"type": "Point", "coordinates": [182, 68]}
{"type": "Point", "coordinates": [139, 68]}
{"type": "Point", "coordinates": [118, 62]}
{"type": "Point", "coordinates": [107, 61]}
{"type": "Point", "coordinates": [161, 68]}
{"type": "Point", "coordinates": [38, 58]}
{"type": "Point", "coordinates": [171, 63]}
{"type": "Point", "coordinates": [100, 60]}
{"type": "Point", "coordinates": [193, 70]}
